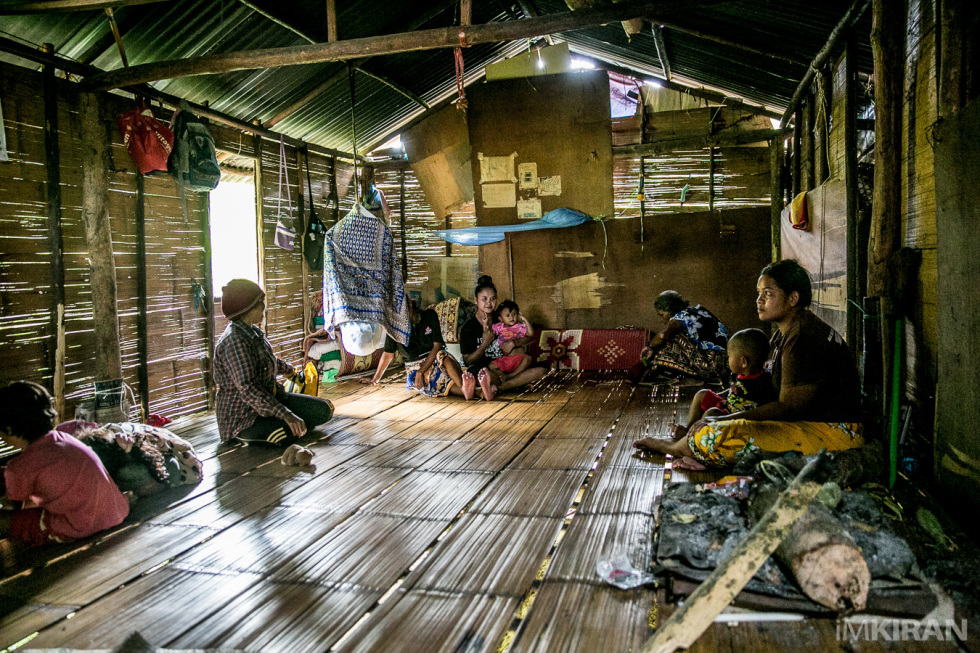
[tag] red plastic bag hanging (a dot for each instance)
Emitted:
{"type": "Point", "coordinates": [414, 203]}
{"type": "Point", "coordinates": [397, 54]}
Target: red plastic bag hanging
{"type": "Point", "coordinates": [148, 140]}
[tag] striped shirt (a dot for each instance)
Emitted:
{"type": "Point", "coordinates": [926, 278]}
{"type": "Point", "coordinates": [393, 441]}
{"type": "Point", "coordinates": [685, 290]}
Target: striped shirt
{"type": "Point", "coordinates": [245, 369]}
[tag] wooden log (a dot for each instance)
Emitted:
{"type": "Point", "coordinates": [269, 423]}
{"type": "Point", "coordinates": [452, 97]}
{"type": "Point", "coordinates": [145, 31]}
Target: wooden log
{"type": "Point", "coordinates": [686, 625]}
{"type": "Point", "coordinates": [331, 21]}
{"type": "Point", "coordinates": [824, 560]}
{"type": "Point", "coordinates": [94, 162]}
{"type": "Point", "coordinates": [735, 137]}
{"type": "Point", "coordinates": [430, 39]}
{"type": "Point", "coordinates": [45, 6]}
{"type": "Point", "coordinates": [776, 196]}
{"type": "Point", "coordinates": [853, 286]}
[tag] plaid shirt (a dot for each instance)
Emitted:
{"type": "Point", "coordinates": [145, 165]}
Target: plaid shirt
{"type": "Point", "coordinates": [245, 369]}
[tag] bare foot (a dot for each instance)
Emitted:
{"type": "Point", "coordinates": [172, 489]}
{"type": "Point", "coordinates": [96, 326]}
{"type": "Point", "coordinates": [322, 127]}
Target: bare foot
{"type": "Point", "coordinates": [677, 431]}
{"type": "Point", "coordinates": [686, 462]}
{"type": "Point", "coordinates": [649, 444]}
{"type": "Point", "coordinates": [489, 390]}
{"type": "Point", "coordinates": [469, 385]}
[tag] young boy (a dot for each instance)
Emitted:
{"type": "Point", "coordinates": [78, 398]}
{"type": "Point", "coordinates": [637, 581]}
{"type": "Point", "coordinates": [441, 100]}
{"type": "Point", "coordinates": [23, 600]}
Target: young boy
{"type": "Point", "coordinates": [751, 387]}
{"type": "Point", "coordinates": [67, 492]}
{"type": "Point", "coordinates": [509, 326]}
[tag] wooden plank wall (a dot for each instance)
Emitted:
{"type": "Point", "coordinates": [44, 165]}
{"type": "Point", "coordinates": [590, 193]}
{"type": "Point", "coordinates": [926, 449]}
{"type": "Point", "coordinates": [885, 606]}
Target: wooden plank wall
{"type": "Point", "coordinates": [174, 258]}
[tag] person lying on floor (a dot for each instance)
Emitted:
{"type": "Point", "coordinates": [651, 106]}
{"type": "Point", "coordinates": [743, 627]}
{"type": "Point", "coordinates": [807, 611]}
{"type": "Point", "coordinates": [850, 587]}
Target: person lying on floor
{"type": "Point", "coordinates": [140, 458]}
{"type": "Point", "coordinates": [431, 370]}
{"type": "Point", "coordinates": [479, 346]}
{"type": "Point", "coordinates": [250, 404]}
{"type": "Point", "coordinates": [815, 377]}
{"type": "Point", "coordinates": [692, 342]}
{"type": "Point", "coordinates": [60, 486]}
{"type": "Point", "coordinates": [751, 383]}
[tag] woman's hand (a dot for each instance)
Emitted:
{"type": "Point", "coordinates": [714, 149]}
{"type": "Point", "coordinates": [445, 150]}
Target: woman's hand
{"type": "Point", "coordinates": [417, 381]}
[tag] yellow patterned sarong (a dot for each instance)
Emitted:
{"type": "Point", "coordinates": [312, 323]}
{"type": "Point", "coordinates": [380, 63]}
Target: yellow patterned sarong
{"type": "Point", "coordinates": [722, 443]}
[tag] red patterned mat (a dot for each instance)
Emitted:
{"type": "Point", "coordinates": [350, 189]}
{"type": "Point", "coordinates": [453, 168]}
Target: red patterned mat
{"type": "Point", "coordinates": [589, 349]}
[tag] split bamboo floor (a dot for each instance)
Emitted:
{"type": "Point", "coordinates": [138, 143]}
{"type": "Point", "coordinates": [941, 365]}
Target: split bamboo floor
{"type": "Point", "coordinates": [425, 525]}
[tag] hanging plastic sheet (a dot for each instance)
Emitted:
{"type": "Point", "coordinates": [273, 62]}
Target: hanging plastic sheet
{"type": "Point", "coordinates": [484, 235]}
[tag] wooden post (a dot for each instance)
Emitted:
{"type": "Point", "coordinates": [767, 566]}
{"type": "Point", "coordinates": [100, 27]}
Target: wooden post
{"type": "Point", "coordinates": [953, 57]}
{"type": "Point", "coordinates": [300, 234]}
{"type": "Point", "coordinates": [776, 206]}
{"type": "Point", "coordinates": [94, 162]}
{"type": "Point", "coordinates": [797, 183]}
{"type": "Point", "coordinates": [823, 171]}
{"type": "Point", "coordinates": [465, 12]}
{"type": "Point", "coordinates": [142, 332]}
{"type": "Point", "coordinates": [336, 191]}
{"type": "Point", "coordinates": [401, 221]}
{"type": "Point", "coordinates": [643, 202]}
{"type": "Point", "coordinates": [52, 161]}
{"type": "Point", "coordinates": [711, 180]}
{"type": "Point", "coordinates": [851, 191]}
{"type": "Point", "coordinates": [259, 210]}
{"type": "Point", "coordinates": [810, 135]}
{"type": "Point", "coordinates": [208, 284]}
{"type": "Point", "coordinates": [331, 21]}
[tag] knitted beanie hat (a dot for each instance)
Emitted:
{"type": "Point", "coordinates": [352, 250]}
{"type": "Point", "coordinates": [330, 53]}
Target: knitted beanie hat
{"type": "Point", "coordinates": [239, 297]}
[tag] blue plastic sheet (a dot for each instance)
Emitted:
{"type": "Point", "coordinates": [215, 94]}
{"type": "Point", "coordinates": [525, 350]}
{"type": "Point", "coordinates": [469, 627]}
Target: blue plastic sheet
{"type": "Point", "coordinates": [483, 235]}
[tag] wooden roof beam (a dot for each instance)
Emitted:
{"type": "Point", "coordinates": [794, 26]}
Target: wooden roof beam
{"type": "Point", "coordinates": [394, 86]}
{"type": "Point", "coordinates": [736, 137]}
{"type": "Point", "coordinates": [11, 7]}
{"type": "Point", "coordinates": [658, 40]}
{"type": "Point", "coordinates": [431, 39]}
{"type": "Point", "coordinates": [281, 23]}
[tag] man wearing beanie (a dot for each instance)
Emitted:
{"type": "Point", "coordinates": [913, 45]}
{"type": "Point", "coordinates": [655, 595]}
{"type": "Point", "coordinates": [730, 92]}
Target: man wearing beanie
{"type": "Point", "coordinates": [251, 406]}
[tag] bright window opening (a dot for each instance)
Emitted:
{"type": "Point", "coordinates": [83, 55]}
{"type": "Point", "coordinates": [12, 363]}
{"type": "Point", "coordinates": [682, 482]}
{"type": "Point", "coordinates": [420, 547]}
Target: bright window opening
{"type": "Point", "coordinates": [234, 244]}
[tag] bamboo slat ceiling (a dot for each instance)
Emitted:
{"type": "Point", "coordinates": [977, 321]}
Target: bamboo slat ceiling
{"type": "Point", "coordinates": [757, 50]}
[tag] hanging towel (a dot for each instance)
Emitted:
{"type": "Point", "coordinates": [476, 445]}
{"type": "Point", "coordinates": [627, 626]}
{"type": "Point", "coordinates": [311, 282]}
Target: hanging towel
{"type": "Point", "coordinates": [485, 235]}
{"type": "Point", "coordinates": [362, 279]}
{"type": "Point", "coordinates": [797, 213]}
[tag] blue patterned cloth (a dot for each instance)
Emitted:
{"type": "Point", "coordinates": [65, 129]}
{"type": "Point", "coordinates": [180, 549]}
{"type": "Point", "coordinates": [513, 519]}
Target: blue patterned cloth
{"type": "Point", "coordinates": [703, 327]}
{"type": "Point", "coordinates": [362, 280]}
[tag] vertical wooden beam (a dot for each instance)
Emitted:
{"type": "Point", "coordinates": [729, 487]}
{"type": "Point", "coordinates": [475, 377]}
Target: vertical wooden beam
{"type": "Point", "coordinates": [797, 150]}
{"type": "Point", "coordinates": [953, 52]}
{"type": "Point", "coordinates": [823, 169]}
{"type": "Point", "coordinates": [711, 180]}
{"type": "Point", "coordinates": [401, 221]}
{"type": "Point", "coordinates": [851, 190]}
{"type": "Point", "coordinates": [643, 202]}
{"type": "Point", "coordinates": [52, 161]}
{"type": "Point", "coordinates": [94, 162]}
{"type": "Point", "coordinates": [336, 191]}
{"type": "Point", "coordinates": [776, 207]}
{"type": "Point", "coordinates": [142, 332]}
{"type": "Point", "coordinates": [465, 12]}
{"type": "Point", "coordinates": [331, 21]}
{"type": "Point", "coordinates": [259, 210]}
{"type": "Point", "coordinates": [810, 134]}
{"type": "Point", "coordinates": [300, 235]}
{"type": "Point", "coordinates": [208, 284]}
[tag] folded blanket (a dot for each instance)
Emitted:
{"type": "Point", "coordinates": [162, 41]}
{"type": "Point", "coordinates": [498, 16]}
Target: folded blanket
{"type": "Point", "coordinates": [362, 280]}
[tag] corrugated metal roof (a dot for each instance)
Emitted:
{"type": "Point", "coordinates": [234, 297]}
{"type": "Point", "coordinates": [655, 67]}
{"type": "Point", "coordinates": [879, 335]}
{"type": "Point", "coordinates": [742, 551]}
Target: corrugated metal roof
{"type": "Point", "coordinates": [793, 29]}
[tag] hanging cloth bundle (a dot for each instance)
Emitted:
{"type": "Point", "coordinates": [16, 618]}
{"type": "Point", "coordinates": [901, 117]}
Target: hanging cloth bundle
{"type": "Point", "coordinates": [315, 230]}
{"type": "Point", "coordinates": [285, 232]}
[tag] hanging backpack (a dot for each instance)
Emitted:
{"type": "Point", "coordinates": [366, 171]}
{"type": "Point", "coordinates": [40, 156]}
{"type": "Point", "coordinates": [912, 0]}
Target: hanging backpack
{"type": "Point", "coordinates": [285, 232]}
{"type": "Point", "coordinates": [148, 140]}
{"type": "Point", "coordinates": [315, 231]}
{"type": "Point", "coordinates": [193, 162]}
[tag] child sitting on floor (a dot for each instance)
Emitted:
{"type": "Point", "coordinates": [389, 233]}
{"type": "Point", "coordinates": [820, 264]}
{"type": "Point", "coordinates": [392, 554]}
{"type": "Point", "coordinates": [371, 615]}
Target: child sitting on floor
{"type": "Point", "coordinates": [66, 492]}
{"type": "Point", "coordinates": [509, 325]}
{"type": "Point", "coordinates": [752, 386]}
{"type": "Point", "coordinates": [140, 458]}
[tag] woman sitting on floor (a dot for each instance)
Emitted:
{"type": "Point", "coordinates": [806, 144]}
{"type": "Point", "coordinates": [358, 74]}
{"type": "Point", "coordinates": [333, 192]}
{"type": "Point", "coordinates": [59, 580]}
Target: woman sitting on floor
{"type": "Point", "coordinates": [692, 343]}
{"type": "Point", "coordinates": [813, 372]}
{"type": "Point", "coordinates": [431, 370]}
{"type": "Point", "coordinates": [479, 347]}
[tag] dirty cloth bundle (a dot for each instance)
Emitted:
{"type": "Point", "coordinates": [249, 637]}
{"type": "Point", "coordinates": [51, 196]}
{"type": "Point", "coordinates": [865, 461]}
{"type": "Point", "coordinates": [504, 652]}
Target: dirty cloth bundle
{"type": "Point", "coordinates": [362, 281]}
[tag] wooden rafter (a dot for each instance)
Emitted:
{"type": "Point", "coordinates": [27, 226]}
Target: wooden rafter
{"type": "Point", "coordinates": [292, 28]}
{"type": "Point", "coordinates": [658, 40]}
{"type": "Point", "coordinates": [736, 137]}
{"type": "Point", "coordinates": [394, 86]}
{"type": "Point", "coordinates": [44, 6]}
{"type": "Point", "coordinates": [331, 21]}
{"type": "Point", "coordinates": [430, 39]}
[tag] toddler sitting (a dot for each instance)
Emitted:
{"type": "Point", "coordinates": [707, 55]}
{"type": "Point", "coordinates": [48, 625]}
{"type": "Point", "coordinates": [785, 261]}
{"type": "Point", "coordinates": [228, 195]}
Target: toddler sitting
{"type": "Point", "coordinates": [509, 325]}
{"type": "Point", "coordinates": [65, 491]}
{"type": "Point", "coordinates": [751, 386]}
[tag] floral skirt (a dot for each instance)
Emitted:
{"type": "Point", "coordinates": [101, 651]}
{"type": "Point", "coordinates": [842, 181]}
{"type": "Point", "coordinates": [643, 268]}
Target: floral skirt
{"type": "Point", "coordinates": [722, 443]}
{"type": "Point", "coordinates": [682, 355]}
{"type": "Point", "coordinates": [435, 382]}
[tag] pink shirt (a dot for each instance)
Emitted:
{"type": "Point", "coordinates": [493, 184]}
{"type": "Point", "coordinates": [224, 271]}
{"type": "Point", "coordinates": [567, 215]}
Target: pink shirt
{"type": "Point", "coordinates": [67, 479]}
{"type": "Point", "coordinates": [505, 333]}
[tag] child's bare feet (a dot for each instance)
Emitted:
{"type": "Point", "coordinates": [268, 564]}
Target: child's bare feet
{"type": "Point", "coordinates": [686, 462]}
{"type": "Point", "coordinates": [486, 384]}
{"type": "Point", "coordinates": [469, 385]}
{"type": "Point", "coordinates": [677, 431]}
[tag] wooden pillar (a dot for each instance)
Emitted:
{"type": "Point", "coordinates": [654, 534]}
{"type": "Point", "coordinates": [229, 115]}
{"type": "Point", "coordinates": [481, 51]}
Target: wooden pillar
{"type": "Point", "coordinates": [331, 21]}
{"type": "Point", "coordinates": [300, 234]}
{"type": "Point", "coordinates": [851, 191]}
{"type": "Point", "coordinates": [259, 210]}
{"type": "Point", "coordinates": [142, 332]}
{"type": "Point", "coordinates": [401, 220]}
{"type": "Point", "coordinates": [797, 149]}
{"type": "Point", "coordinates": [94, 162]}
{"type": "Point", "coordinates": [52, 161]}
{"type": "Point", "coordinates": [953, 48]}
{"type": "Point", "coordinates": [208, 283]}
{"type": "Point", "coordinates": [823, 168]}
{"type": "Point", "coordinates": [776, 207]}
{"type": "Point", "coordinates": [811, 136]}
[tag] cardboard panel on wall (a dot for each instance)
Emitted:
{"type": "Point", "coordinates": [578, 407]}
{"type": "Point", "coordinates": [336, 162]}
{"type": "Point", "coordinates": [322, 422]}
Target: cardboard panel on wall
{"type": "Point", "coordinates": [822, 250]}
{"type": "Point", "coordinates": [439, 150]}
{"type": "Point", "coordinates": [568, 278]}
